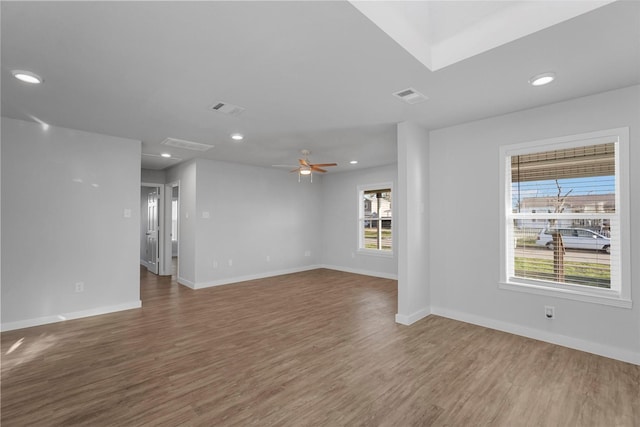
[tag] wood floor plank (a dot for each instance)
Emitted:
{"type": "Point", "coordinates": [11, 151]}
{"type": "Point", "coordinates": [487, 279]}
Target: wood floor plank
{"type": "Point", "coordinates": [318, 348]}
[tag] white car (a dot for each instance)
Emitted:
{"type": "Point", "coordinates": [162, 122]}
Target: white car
{"type": "Point", "coordinates": [575, 238]}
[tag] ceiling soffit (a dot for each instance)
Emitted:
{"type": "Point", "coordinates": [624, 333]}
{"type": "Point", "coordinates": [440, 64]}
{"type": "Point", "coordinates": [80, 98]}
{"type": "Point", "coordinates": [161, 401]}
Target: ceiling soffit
{"type": "Point", "coordinates": [423, 28]}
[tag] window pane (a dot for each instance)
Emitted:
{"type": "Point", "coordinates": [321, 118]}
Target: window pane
{"type": "Point", "coordinates": [376, 227]}
{"type": "Point", "coordinates": [575, 253]}
{"type": "Point", "coordinates": [371, 240]}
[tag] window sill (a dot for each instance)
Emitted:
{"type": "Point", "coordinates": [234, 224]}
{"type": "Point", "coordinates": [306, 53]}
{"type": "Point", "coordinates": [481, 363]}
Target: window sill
{"type": "Point", "coordinates": [375, 252]}
{"type": "Point", "coordinates": [596, 296]}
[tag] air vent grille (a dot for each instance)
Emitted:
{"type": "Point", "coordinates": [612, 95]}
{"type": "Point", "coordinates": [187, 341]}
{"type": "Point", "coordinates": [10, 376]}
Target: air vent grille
{"type": "Point", "coordinates": [226, 108]}
{"type": "Point", "coordinates": [405, 93]}
{"type": "Point", "coordinates": [187, 145]}
{"type": "Point", "coordinates": [410, 96]}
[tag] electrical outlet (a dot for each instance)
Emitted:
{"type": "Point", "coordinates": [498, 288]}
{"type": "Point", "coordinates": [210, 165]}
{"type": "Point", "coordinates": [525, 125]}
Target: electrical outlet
{"type": "Point", "coordinates": [215, 264]}
{"type": "Point", "coordinates": [268, 258]}
{"type": "Point", "coordinates": [79, 286]}
{"type": "Point", "coordinates": [230, 263]}
{"type": "Point", "coordinates": [549, 312]}
{"type": "Point", "coordinates": [307, 253]}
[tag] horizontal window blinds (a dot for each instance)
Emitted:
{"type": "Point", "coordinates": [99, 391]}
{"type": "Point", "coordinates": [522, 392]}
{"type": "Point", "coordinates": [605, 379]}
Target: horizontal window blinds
{"type": "Point", "coordinates": [578, 180]}
{"type": "Point", "coordinates": [579, 162]}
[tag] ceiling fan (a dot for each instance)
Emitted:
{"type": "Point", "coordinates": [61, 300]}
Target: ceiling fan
{"type": "Point", "coordinates": [307, 168]}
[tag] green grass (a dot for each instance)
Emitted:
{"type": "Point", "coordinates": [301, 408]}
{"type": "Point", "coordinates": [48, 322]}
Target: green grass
{"type": "Point", "coordinates": [582, 273]}
{"type": "Point", "coordinates": [523, 241]}
{"type": "Point", "coordinates": [371, 237]}
{"type": "Point", "coordinates": [372, 233]}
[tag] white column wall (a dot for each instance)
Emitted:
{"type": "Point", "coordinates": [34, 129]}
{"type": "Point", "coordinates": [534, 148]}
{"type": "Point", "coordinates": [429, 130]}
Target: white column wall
{"type": "Point", "coordinates": [413, 223]}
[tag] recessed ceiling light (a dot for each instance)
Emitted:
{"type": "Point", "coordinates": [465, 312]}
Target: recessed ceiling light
{"type": "Point", "coordinates": [237, 137]}
{"type": "Point", "coordinates": [167, 155]}
{"type": "Point", "coordinates": [542, 79]}
{"type": "Point", "coordinates": [27, 77]}
{"type": "Point", "coordinates": [354, 162]}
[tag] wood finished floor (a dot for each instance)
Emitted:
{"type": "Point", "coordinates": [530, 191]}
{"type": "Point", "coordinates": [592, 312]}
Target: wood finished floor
{"type": "Point", "coordinates": [318, 348]}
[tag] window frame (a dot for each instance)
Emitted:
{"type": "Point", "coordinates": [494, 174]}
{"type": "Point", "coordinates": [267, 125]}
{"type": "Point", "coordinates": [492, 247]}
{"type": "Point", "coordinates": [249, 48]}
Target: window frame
{"type": "Point", "coordinates": [619, 294]}
{"type": "Point", "coordinates": [361, 249]}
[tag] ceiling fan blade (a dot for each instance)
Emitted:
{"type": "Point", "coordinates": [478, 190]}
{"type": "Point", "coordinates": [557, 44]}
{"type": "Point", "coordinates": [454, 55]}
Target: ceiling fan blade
{"type": "Point", "coordinates": [324, 164]}
{"type": "Point", "coordinates": [303, 162]}
{"type": "Point", "coordinates": [315, 168]}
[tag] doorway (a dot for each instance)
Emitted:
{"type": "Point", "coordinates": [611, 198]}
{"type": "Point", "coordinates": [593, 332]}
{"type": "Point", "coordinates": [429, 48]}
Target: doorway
{"type": "Point", "coordinates": [175, 229]}
{"type": "Point", "coordinates": [150, 230]}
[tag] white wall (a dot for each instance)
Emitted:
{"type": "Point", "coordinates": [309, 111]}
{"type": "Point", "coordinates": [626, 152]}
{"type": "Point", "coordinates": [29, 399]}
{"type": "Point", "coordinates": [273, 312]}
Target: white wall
{"type": "Point", "coordinates": [63, 222]}
{"type": "Point", "coordinates": [152, 176]}
{"type": "Point", "coordinates": [244, 214]}
{"type": "Point", "coordinates": [464, 209]}
{"type": "Point", "coordinates": [412, 223]}
{"type": "Point", "coordinates": [340, 222]}
{"type": "Point", "coordinates": [254, 213]}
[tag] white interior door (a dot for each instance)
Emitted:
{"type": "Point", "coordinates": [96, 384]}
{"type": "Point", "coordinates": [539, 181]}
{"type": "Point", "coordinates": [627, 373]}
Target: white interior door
{"type": "Point", "coordinates": [153, 224]}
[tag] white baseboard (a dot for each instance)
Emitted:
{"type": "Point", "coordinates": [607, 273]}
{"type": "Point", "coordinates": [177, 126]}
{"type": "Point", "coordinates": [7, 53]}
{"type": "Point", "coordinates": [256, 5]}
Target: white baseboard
{"type": "Point", "coordinates": [237, 279]}
{"type": "Point", "coordinates": [563, 340]}
{"type": "Point", "coordinates": [257, 276]}
{"type": "Point", "coordinates": [187, 283]}
{"type": "Point", "coordinates": [27, 323]}
{"type": "Point", "coordinates": [404, 319]}
{"type": "Point", "coordinates": [358, 271]}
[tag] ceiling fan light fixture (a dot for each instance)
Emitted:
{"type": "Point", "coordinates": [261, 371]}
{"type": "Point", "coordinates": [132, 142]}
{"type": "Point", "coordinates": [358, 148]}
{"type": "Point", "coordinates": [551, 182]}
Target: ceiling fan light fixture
{"type": "Point", "coordinates": [305, 171]}
{"type": "Point", "coordinates": [542, 79]}
{"type": "Point", "coordinates": [237, 137]}
{"type": "Point", "coordinates": [353, 162]}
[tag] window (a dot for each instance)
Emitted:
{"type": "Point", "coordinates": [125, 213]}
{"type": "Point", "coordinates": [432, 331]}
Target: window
{"type": "Point", "coordinates": [375, 219]}
{"type": "Point", "coordinates": [564, 223]}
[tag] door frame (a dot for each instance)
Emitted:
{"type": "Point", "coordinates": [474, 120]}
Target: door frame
{"type": "Point", "coordinates": [161, 222]}
{"type": "Point", "coordinates": [168, 252]}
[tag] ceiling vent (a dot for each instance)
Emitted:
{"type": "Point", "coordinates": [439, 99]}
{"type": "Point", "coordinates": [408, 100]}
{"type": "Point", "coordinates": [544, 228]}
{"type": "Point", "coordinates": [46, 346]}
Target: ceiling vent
{"type": "Point", "coordinates": [226, 108]}
{"type": "Point", "coordinates": [410, 96]}
{"type": "Point", "coordinates": [187, 145]}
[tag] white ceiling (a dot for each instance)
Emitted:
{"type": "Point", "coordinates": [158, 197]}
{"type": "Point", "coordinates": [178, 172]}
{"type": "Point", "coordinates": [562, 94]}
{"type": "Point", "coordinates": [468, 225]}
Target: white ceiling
{"type": "Point", "coordinates": [314, 75]}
